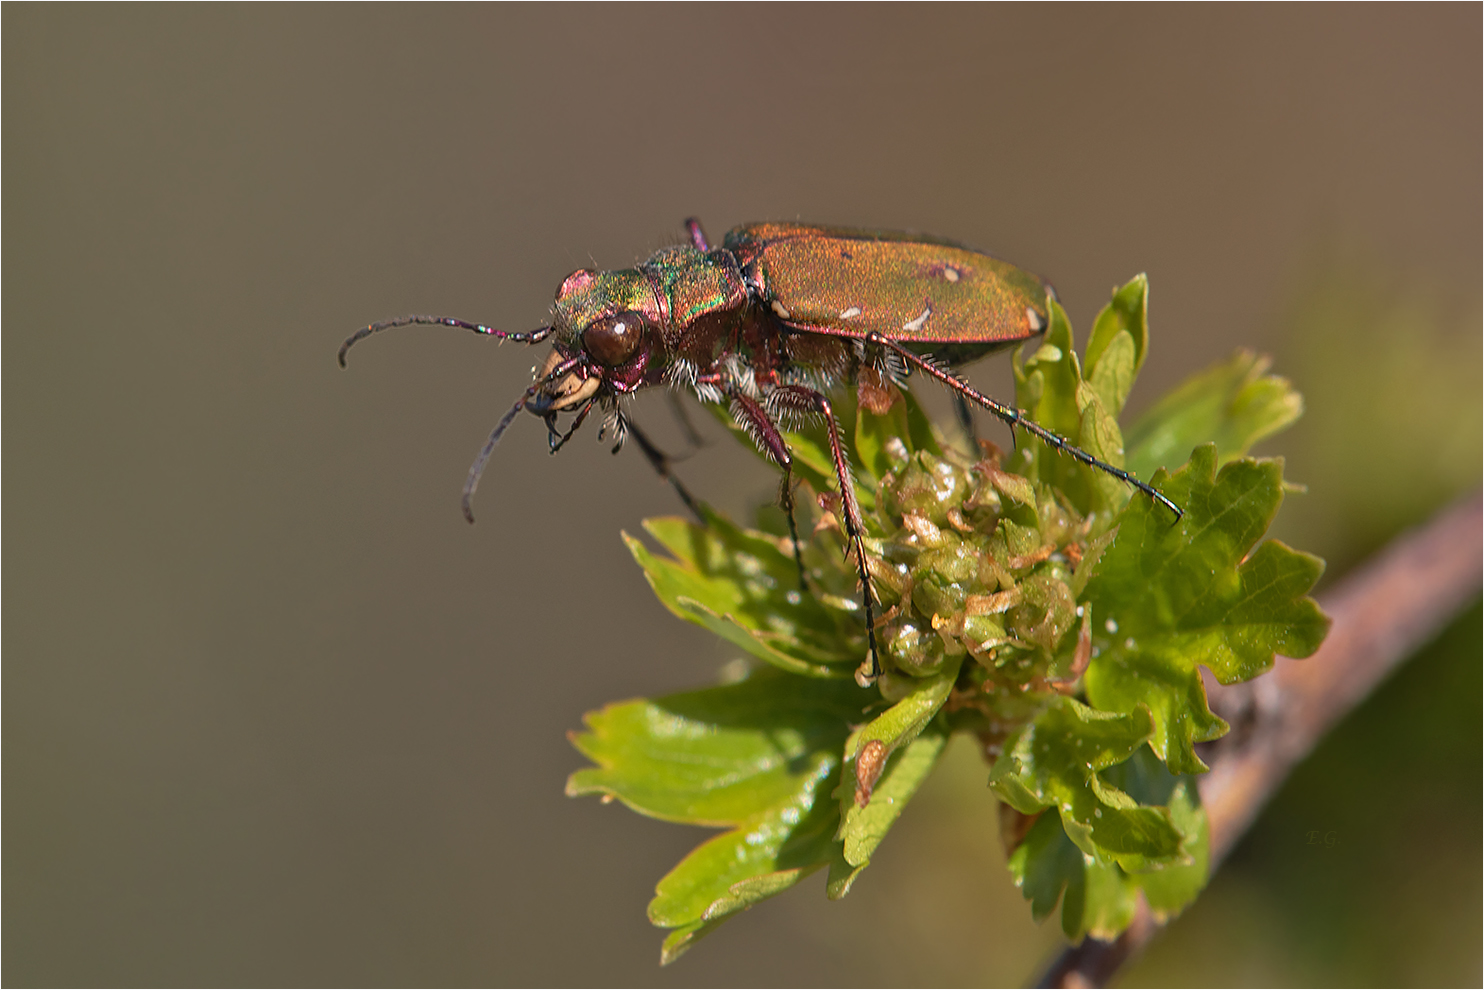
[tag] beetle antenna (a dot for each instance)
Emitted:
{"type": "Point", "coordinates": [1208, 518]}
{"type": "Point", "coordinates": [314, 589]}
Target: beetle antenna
{"type": "Point", "coordinates": [1015, 418]}
{"type": "Point", "coordinates": [527, 337]}
{"type": "Point", "coordinates": [477, 468]}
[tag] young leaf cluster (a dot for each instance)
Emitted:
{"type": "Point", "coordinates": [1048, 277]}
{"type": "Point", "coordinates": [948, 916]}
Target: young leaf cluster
{"type": "Point", "coordinates": [1039, 606]}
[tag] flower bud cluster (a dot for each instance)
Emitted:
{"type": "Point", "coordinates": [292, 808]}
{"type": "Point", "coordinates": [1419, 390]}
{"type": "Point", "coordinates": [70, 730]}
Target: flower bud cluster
{"type": "Point", "coordinates": [975, 560]}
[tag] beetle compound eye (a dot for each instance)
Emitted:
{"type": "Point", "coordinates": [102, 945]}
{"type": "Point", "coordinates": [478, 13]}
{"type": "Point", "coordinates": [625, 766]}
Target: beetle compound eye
{"type": "Point", "coordinates": [613, 340]}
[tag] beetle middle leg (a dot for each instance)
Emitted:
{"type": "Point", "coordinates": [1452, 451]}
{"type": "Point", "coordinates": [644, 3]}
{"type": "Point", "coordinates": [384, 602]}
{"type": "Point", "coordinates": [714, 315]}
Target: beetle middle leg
{"type": "Point", "coordinates": [801, 398]}
{"type": "Point", "coordinates": [755, 420]}
{"type": "Point", "coordinates": [696, 235]}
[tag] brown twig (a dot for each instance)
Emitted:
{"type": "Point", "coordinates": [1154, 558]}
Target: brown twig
{"type": "Point", "coordinates": [1383, 612]}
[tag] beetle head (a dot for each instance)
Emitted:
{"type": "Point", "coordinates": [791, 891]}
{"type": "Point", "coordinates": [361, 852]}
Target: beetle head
{"type": "Point", "coordinates": [609, 322]}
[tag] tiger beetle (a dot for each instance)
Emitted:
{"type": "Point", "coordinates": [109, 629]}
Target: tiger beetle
{"type": "Point", "coordinates": [768, 323]}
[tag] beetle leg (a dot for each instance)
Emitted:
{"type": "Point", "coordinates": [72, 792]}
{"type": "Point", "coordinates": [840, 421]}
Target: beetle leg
{"type": "Point", "coordinates": [657, 460]}
{"type": "Point", "coordinates": [1014, 417]}
{"type": "Point", "coordinates": [477, 468]}
{"type": "Point", "coordinates": [696, 234]}
{"type": "Point", "coordinates": [558, 441]}
{"type": "Point", "coordinates": [965, 414]}
{"type": "Point", "coordinates": [764, 432]}
{"type": "Point", "coordinates": [805, 399]}
{"type": "Point", "coordinates": [677, 409]}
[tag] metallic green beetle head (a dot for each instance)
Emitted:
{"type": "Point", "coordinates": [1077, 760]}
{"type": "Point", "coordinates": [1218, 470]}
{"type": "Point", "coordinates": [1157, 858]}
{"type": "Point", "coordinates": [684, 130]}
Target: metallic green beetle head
{"type": "Point", "coordinates": [607, 328]}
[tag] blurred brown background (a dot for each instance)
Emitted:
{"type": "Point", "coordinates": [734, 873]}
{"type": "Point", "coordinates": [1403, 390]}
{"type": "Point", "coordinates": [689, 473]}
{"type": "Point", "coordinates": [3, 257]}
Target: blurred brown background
{"type": "Point", "coordinates": [274, 713]}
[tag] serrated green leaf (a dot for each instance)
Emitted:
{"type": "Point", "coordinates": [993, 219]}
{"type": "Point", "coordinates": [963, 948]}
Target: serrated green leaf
{"type": "Point", "coordinates": [1049, 386]}
{"type": "Point", "coordinates": [1233, 404]}
{"type": "Point", "coordinates": [1046, 382]}
{"type": "Point", "coordinates": [896, 729]}
{"type": "Point", "coordinates": [1112, 378]}
{"type": "Point", "coordinates": [721, 755]}
{"type": "Point", "coordinates": [1098, 896]}
{"type": "Point", "coordinates": [1054, 762]}
{"type": "Point", "coordinates": [1098, 434]}
{"type": "Point", "coordinates": [1194, 592]}
{"type": "Point", "coordinates": [863, 829]}
{"type": "Point", "coordinates": [744, 587]}
{"type": "Point", "coordinates": [759, 757]}
{"type": "Point", "coordinates": [758, 644]}
{"type": "Point", "coordinates": [1171, 690]}
{"type": "Point", "coordinates": [1118, 343]}
{"type": "Point", "coordinates": [1172, 889]}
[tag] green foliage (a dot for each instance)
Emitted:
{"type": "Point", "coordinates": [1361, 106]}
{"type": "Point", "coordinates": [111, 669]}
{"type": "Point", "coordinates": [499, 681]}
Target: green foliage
{"type": "Point", "coordinates": [1030, 601]}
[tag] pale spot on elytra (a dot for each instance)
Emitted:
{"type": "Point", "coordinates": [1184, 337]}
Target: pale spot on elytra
{"type": "Point", "coordinates": [1035, 320]}
{"type": "Point", "coordinates": [951, 274]}
{"type": "Point", "coordinates": [780, 310]}
{"type": "Point", "coordinates": [850, 313]}
{"type": "Point", "coordinates": [914, 325]}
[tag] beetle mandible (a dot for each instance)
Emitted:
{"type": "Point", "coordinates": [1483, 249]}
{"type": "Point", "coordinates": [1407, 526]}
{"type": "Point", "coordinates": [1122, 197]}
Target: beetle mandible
{"type": "Point", "coordinates": [768, 323]}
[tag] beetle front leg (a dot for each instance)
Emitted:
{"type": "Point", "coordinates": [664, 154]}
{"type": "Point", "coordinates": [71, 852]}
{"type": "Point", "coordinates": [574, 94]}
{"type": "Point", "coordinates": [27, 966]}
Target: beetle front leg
{"type": "Point", "coordinates": [800, 398]}
{"type": "Point", "coordinates": [755, 420]}
{"type": "Point", "coordinates": [657, 460]}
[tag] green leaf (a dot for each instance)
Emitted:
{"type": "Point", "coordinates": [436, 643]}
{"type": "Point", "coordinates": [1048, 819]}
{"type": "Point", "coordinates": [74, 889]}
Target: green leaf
{"type": "Point", "coordinates": [759, 757]}
{"type": "Point", "coordinates": [1194, 592]}
{"type": "Point", "coordinates": [863, 828]}
{"type": "Point", "coordinates": [1233, 404]}
{"type": "Point", "coordinates": [1169, 889]}
{"type": "Point", "coordinates": [920, 434]}
{"type": "Point", "coordinates": [1099, 897]}
{"type": "Point", "coordinates": [1171, 690]}
{"type": "Point", "coordinates": [1049, 387]}
{"type": "Point", "coordinates": [744, 587]}
{"type": "Point", "coordinates": [1046, 382]}
{"type": "Point", "coordinates": [1054, 761]}
{"type": "Point", "coordinates": [1047, 867]}
{"type": "Point", "coordinates": [1119, 341]}
{"type": "Point", "coordinates": [873, 437]}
